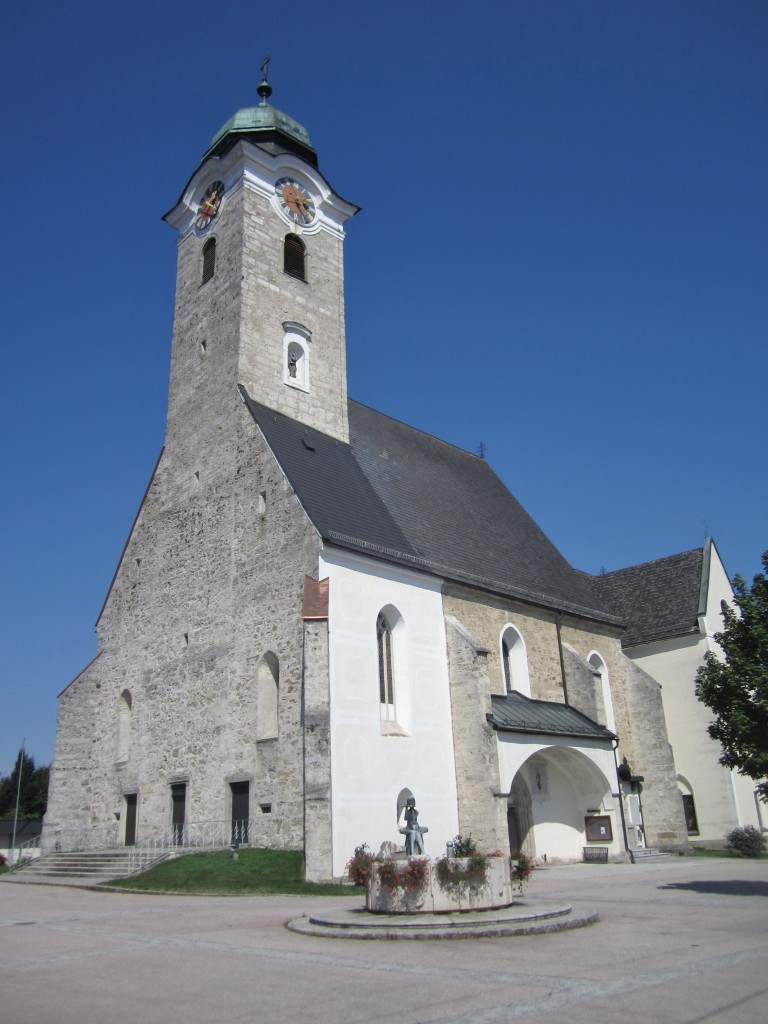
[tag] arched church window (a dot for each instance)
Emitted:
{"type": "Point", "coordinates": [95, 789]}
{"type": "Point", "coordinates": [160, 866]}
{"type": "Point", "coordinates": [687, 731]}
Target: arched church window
{"type": "Point", "coordinates": [604, 698]}
{"type": "Point", "coordinates": [689, 806]}
{"type": "Point", "coordinates": [385, 643]}
{"type": "Point", "coordinates": [267, 690]}
{"type": "Point", "coordinates": [124, 713]}
{"type": "Point", "coordinates": [294, 257]}
{"type": "Point", "coordinates": [514, 660]}
{"type": "Point", "coordinates": [209, 260]}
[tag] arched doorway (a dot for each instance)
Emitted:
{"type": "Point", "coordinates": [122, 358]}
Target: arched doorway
{"type": "Point", "coordinates": [554, 791]}
{"type": "Point", "coordinates": [520, 818]}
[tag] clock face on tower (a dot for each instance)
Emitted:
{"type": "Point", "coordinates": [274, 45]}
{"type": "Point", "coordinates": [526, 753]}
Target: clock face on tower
{"type": "Point", "coordinates": [295, 201]}
{"type": "Point", "coordinates": [209, 204]}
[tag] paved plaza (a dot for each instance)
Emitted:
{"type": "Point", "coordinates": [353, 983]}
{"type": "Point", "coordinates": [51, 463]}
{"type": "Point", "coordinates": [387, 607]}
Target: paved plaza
{"type": "Point", "coordinates": [680, 942]}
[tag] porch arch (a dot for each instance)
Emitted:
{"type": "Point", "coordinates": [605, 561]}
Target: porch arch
{"type": "Point", "coordinates": [552, 791]}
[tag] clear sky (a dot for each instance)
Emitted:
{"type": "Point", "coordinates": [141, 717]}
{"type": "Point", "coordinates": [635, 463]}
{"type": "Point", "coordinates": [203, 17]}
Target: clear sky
{"type": "Point", "coordinates": [562, 254]}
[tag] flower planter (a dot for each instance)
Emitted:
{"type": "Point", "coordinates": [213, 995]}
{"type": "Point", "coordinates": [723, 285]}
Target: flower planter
{"type": "Point", "coordinates": [492, 888]}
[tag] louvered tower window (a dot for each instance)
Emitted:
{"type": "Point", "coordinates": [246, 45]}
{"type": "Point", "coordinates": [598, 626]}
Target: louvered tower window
{"type": "Point", "coordinates": [294, 257]}
{"type": "Point", "coordinates": [209, 259]}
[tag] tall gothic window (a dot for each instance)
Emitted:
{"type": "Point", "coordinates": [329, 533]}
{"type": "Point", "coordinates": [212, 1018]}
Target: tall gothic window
{"type": "Point", "coordinates": [268, 687]}
{"type": "Point", "coordinates": [386, 668]}
{"type": "Point", "coordinates": [209, 260]}
{"type": "Point", "coordinates": [604, 700]}
{"type": "Point", "coordinates": [294, 257]}
{"type": "Point", "coordinates": [514, 661]}
{"type": "Point", "coordinates": [124, 711]}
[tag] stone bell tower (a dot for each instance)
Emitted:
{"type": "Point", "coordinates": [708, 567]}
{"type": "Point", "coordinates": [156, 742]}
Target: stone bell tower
{"type": "Point", "coordinates": [260, 283]}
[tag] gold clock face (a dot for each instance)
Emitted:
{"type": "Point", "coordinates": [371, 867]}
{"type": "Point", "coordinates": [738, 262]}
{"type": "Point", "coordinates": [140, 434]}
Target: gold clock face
{"type": "Point", "coordinates": [295, 201]}
{"type": "Point", "coordinates": [209, 204]}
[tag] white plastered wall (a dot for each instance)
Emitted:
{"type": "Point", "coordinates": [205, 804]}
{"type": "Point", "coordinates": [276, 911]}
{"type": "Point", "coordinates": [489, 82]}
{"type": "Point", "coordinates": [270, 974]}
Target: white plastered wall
{"type": "Point", "coordinates": [369, 767]}
{"type": "Point", "coordinates": [723, 799]}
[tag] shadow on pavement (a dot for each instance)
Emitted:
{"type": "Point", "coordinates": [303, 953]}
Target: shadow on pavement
{"type": "Point", "coordinates": [722, 888]}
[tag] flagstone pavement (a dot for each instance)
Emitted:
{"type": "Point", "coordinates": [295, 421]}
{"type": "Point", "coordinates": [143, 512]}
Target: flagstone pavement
{"type": "Point", "coordinates": [679, 942]}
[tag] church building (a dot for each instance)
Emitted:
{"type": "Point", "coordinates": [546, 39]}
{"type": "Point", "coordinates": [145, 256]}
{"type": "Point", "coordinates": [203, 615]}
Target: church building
{"type": "Point", "coordinates": [321, 611]}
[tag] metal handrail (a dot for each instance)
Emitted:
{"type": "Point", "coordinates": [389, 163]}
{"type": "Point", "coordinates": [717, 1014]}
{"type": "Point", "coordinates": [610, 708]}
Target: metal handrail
{"type": "Point", "coordinates": [189, 835]}
{"type": "Point", "coordinates": [20, 853]}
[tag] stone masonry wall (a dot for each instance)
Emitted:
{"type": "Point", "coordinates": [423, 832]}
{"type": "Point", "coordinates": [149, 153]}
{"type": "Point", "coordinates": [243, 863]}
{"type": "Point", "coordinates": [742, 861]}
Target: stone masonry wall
{"type": "Point", "coordinates": [482, 811]}
{"type": "Point", "coordinates": [636, 701]}
{"type": "Point", "coordinates": [207, 586]}
{"type": "Point", "coordinates": [318, 853]}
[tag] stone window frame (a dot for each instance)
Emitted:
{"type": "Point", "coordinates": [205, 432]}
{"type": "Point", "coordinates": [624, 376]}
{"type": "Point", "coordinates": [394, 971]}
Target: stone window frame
{"type": "Point", "coordinates": [689, 805]}
{"type": "Point", "coordinates": [124, 719]}
{"type": "Point", "coordinates": [390, 674]}
{"type": "Point", "coordinates": [296, 339]}
{"type": "Point", "coordinates": [295, 256]}
{"type": "Point", "coordinates": [600, 667]}
{"type": "Point", "coordinates": [514, 661]}
{"type": "Point", "coordinates": [267, 697]}
{"type": "Point", "coordinates": [208, 260]}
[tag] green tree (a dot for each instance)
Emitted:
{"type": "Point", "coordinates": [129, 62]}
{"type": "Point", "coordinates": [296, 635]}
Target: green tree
{"type": "Point", "coordinates": [33, 796]}
{"type": "Point", "coordinates": [736, 687]}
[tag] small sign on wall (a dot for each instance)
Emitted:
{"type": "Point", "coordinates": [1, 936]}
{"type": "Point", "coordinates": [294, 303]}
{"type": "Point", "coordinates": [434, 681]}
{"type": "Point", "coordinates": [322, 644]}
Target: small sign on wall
{"type": "Point", "coordinates": [598, 828]}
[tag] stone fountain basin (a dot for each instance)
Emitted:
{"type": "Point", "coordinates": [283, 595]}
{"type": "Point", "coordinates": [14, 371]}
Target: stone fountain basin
{"type": "Point", "coordinates": [492, 891]}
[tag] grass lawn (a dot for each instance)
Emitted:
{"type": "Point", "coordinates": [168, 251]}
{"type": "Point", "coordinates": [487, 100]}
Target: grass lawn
{"type": "Point", "coordinates": [698, 851]}
{"type": "Point", "coordinates": [254, 871]}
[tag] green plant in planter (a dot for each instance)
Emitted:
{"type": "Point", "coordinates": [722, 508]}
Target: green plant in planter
{"type": "Point", "coordinates": [359, 867]}
{"type": "Point", "coordinates": [464, 846]}
{"type": "Point", "coordinates": [452, 872]}
{"type": "Point", "coordinates": [412, 877]}
{"type": "Point", "coordinates": [522, 871]}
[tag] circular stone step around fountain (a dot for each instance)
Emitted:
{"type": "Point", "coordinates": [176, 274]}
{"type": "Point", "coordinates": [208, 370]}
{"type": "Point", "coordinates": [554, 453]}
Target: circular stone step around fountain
{"type": "Point", "coordinates": [524, 917]}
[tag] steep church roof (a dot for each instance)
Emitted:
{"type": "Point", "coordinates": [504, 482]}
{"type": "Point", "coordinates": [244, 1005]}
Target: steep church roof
{"type": "Point", "coordinates": [406, 496]}
{"type": "Point", "coordinates": [657, 600]}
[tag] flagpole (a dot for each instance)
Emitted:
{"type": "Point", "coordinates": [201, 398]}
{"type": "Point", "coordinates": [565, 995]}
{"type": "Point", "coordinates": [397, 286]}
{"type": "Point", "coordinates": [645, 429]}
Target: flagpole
{"type": "Point", "coordinates": [18, 795]}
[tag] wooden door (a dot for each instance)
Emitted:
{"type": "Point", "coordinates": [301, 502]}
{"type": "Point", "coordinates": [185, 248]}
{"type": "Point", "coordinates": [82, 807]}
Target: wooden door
{"type": "Point", "coordinates": [179, 811]}
{"type": "Point", "coordinates": [131, 803]}
{"type": "Point", "coordinates": [240, 811]}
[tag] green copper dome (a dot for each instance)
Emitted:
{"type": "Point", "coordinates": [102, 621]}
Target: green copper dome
{"type": "Point", "coordinates": [264, 116]}
{"type": "Point", "coordinates": [262, 124]}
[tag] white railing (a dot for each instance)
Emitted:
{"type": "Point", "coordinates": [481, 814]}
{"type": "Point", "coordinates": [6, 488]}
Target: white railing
{"type": "Point", "coordinates": [24, 853]}
{"type": "Point", "coordinates": [191, 835]}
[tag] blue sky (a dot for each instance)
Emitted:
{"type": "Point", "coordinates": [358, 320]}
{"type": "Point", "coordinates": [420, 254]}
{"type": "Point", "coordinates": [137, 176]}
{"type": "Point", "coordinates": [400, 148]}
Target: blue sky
{"type": "Point", "coordinates": [562, 254]}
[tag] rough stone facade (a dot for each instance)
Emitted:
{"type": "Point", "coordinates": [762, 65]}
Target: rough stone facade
{"type": "Point", "coordinates": [636, 699]}
{"type": "Point", "coordinates": [205, 589]}
{"type": "Point", "coordinates": [477, 774]}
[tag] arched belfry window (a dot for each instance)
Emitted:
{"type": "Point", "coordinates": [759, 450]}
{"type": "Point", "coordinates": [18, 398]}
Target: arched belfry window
{"type": "Point", "coordinates": [514, 661]}
{"type": "Point", "coordinates": [209, 260]}
{"type": "Point", "coordinates": [295, 257]}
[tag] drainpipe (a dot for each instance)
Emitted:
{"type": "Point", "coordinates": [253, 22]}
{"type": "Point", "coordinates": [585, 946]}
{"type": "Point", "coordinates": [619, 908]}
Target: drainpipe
{"type": "Point", "coordinates": [558, 620]}
{"type": "Point", "coordinates": [621, 803]}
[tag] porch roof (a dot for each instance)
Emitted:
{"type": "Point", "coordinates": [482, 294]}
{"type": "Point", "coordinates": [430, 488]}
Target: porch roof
{"type": "Point", "coordinates": [517, 713]}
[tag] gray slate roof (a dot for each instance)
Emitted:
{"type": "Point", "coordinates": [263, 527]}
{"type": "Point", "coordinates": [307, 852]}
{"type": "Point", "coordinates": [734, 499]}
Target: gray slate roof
{"type": "Point", "coordinates": [517, 713]}
{"type": "Point", "coordinates": [403, 495]}
{"type": "Point", "coordinates": [657, 600]}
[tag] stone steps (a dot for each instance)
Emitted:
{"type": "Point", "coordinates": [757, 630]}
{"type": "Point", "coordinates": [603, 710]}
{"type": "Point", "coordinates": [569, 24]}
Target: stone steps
{"type": "Point", "coordinates": [649, 855]}
{"type": "Point", "coordinates": [96, 866]}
